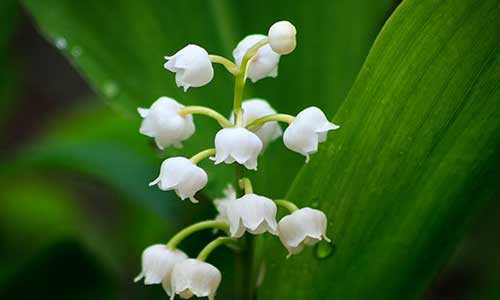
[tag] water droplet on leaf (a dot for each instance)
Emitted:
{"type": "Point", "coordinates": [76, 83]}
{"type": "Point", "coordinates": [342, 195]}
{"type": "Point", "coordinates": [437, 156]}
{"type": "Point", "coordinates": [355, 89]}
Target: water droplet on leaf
{"type": "Point", "coordinates": [76, 51]}
{"type": "Point", "coordinates": [110, 89]}
{"type": "Point", "coordinates": [324, 249]}
{"type": "Point", "coordinates": [61, 43]}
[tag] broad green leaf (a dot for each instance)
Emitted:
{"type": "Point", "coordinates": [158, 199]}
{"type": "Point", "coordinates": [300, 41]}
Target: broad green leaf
{"type": "Point", "coordinates": [417, 152]}
{"type": "Point", "coordinates": [119, 47]}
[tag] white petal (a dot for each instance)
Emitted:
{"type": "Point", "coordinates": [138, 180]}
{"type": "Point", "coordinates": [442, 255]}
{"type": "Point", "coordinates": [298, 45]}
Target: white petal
{"type": "Point", "coordinates": [164, 123]}
{"type": "Point", "coordinates": [183, 176]}
{"type": "Point", "coordinates": [194, 277]}
{"type": "Point", "coordinates": [304, 226]}
{"type": "Point", "coordinates": [237, 144]}
{"type": "Point", "coordinates": [192, 66]}
{"type": "Point", "coordinates": [263, 64]}
{"type": "Point", "coordinates": [158, 262]}
{"type": "Point", "coordinates": [253, 213]}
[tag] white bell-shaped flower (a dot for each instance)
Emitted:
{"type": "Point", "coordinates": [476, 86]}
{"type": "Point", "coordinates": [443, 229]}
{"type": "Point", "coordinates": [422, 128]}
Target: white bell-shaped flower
{"type": "Point", "coordinates": [237, 144]}
{"type": "Point", "coordinates": [258, 108]}
{"type": "Point", "coordinates": [158, 262]}
{"type": "Point", "coordinates": [163, 122]}
{"type": "Point", "coordinates": [181, 175]}
{"type": "Point", "coordinates": [192, 66]}
{"type": "Point", "coordinates": [193, 277]}
{"type": "Point", "coordinates": [305, 226]}
{"type": "Point", "coordinates": [282, 37]}
{"type": "Point", "coordinates": [263, 64]}
{"type": "Point", "coordinates": [253, 213]}
{"type": "Point", "coordinates": [309, 128]}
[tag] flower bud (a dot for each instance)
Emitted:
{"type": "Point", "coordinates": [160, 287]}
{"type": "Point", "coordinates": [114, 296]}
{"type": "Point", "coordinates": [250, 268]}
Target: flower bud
{"type": "Point", "coordinates": [282, 37]}
{"type": "Point", "coordinates": [192, 66]}
{"type": "Point", "coordinates": [237, 144]}
{"type": "Point", "coordinates": [305, 226]}
{"type": "Point", "coordinates": [193, 277]}
{"type": "Point", "coordinates": [258, 108]}
{"type": "Point", "coordinates": [158, 262]}
{"type": "Point", "coordinates": [253, 213]}
{"type": "Point", "coordinates": [181, 175]}
{"type": "Point", "coordinates": [309, 128]}
{"type": "Point", "coordinates": [163, 122]}
{"type": "Point", "coordinates": [263, 64]}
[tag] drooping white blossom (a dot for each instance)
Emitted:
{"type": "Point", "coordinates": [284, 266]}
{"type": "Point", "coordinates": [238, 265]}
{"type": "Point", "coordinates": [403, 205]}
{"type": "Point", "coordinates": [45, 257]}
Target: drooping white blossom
{"type": "Point", "coordinates": [237, 144]}
{"type": "Point", "coordinates": [163, 122]}
{"type": "Point", "coordinates": [253, 213]}
{"type": "Point", "coordinates": [309, 128]}
{"type": "Point", "coordinates": [181, 175]}
{"type": "Point", "coordinates": [305, 226]}
{"type": "Point", "coordinates": [282, 37]}
{"type": "Point", "coordinates": [265, 62]}
{"type": "Point", "coordinates": [158, 262]}
{"type": "Point", "coordinates": [193, 277]}
{"type": "Point", "coordinates": [192, 67]}
{"type": "Point", "coordinates": [257, 108]}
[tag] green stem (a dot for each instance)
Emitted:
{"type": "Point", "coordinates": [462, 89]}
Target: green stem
{"type": "Point", "coordinates": [181, 235]}
{"type": "Point", "coordinates": [286, 204]}
{"type": "Point", "coordinates": [202, 110]}
{"type": "Point", "coordinates": [246, 185]}
{"type": "Point", "coordinates": [205, 252]}
{"type": "Point", "coordinates": [239, 84]}
{"type": "Point", "coordinates": [229, 65]}
{"type": "Point", "coordinates": [202, 155]}
{"type": "Point", "coordinates": [257, 123]}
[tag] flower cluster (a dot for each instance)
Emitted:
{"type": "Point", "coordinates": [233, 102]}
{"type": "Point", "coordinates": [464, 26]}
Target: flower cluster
{"type": "Point", "coordinates": [251, 127]}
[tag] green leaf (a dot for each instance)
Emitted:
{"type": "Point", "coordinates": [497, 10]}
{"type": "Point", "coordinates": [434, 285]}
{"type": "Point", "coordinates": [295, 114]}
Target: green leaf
{"type": "Point", "coordinates": [417, 152]}
{"type": "Point", "coordinates": [119, 47]}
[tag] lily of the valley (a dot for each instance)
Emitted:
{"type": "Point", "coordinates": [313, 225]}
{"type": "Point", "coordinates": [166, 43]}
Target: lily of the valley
{"type": "Point", "coordinates": [192, 67]}
{"type": "Point", "coordinates": [282, 37]}
{"type": "Point", "coordinates": [253, 213]}
{"type": "Point", "coordinates": [308, 129]}
{"type": "Point", "coordinates": [158, 262]}
{"type": "Point", "coordinates": [181, 175]}
{"type": "Point", "coordinates": [257, 108]}
{"type": "Point", "coordinates": [263, 64]}
{"type": "Point", "coordinates": [305, 226]}
{"type": "Point", "coordinates": [163, 122]}
{"type": "Point", "coordinates": [194, 277]}
{"type": "Point", "coordinates": [237, 144]}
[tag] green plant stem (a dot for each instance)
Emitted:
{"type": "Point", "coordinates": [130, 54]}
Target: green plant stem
{"type": "Point", "coordinates": [205, 252]}
{"type": "Point", "coordinates": [202, 155]}
{"type": "Point", "coordinates": [202, 110]}
{"type": "Point", "coordinates": [247, 257]}
{"type": "Point", "coordinates": [239, 84]}
{"type": "Point", "coordinates": [246, 185]}
{"type": "Point", "coordinates": [290, 206]}
{"type": "Point", "coordinates": [257, 123]}
{"type": "Point", "coordinates": [229, 65]}
{"type": "Point", "coordinates": [181, 235]}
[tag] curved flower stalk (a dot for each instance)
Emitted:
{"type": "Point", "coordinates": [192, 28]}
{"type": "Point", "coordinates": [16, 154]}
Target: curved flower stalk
{"type": "Point", "coordinates": [253, 125]}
